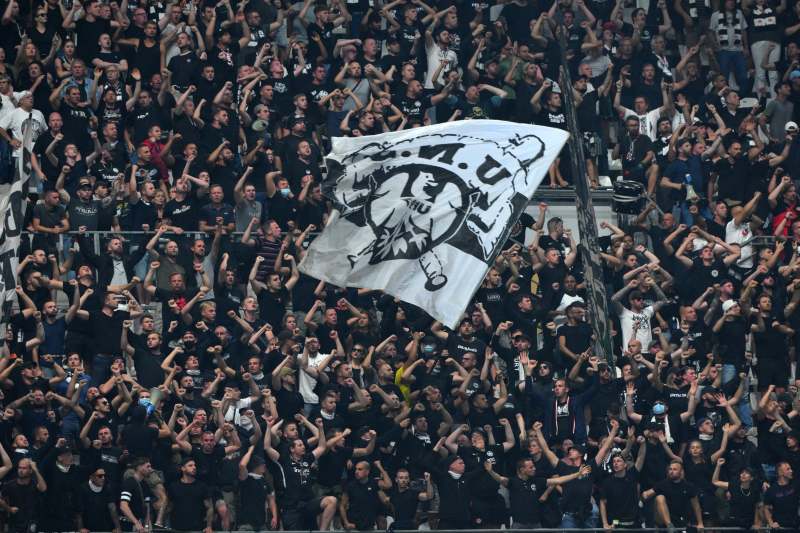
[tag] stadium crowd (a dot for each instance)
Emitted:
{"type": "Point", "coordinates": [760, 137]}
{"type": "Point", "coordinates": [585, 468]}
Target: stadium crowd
{"type": "Point", "coordinates": [180, 372]}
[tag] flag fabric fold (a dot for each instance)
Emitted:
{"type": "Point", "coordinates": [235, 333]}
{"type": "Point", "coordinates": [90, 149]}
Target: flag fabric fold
{"type": "Point", "coordinates": [421, 214]}
{"type": "Point", "coordinates": [13, 202]}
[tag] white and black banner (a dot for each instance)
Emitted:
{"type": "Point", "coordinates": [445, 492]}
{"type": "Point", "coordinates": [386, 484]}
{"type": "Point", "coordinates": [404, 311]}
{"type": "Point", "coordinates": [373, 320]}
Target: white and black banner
{"type": "Point", "coordinates": [421, 214]}
{"type": "Point", "coordinates": [13, 201]}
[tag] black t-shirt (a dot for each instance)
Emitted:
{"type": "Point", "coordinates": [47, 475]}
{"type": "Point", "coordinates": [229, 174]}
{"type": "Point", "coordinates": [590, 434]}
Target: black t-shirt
{"type": "Point", "coordinates": [732, 339]}
{"type": "Point", "coordinates": [223, 61]}
{"type": "Point", "coordinates": [184, 68]}
{"type": "Point", "coordinates": [139, 440]}
{"type": "Point", "coordinates": [106, 331]}
{"type": "Point", "coordinates": [187, 501]}
{"type": "Point", "coordinates": [39, 148]}
{"type": "Point", "coordinates": [88, 35]}
{"type": "Point", "coordinates": [404, 504]}
{"type": "Point", "coordinates": [553, 119]}
{"type": "Point", "coordinates": [577, 492]}
{"type": "Point", "coordinates": [299, 476]}
{"type": "Point", "coordinates": [209, 465]}
{"type": "Point", "coordinates": [702, 276]}
{"type": "Point", "coordinates": [524, 495]}
{"type": "Point", "coordinates": [141, 119]}
{"type": "Point", "coordinates": [138, 496]}
{"type": "Point", "coordinates": [94, 508]}
{"type": "Point", "coordinates": [413, 108]}
{"type": "Point", "coordinates": [678, 496]}
{"type": "Point", "coordinates": [578, 337]}
{"type": "Point", "coordinates": [148, 368]}
{"type": "Point", "coordinates": [622, 496]}
{"type": "Point", "coordinates": [743, 503]}
{"type": "Point", "coordinates": [784, 500]}
{"type": "Point", "coordinates": [364, 503]}
{"type": "Point", "coordinates": [76, 125]}
{"type": "Point", "coordinates": [183, 214]}
{"type": "Point", "coordinates": [23, 497]}
{"type": "Point", "coordinates": [253, 492]}
{"type": "Point", "coordinates": [771, 343]}
{"type": "Point", "coordinates": [331, 466]}
{"type": "Point", "coordinates": [272, 306]}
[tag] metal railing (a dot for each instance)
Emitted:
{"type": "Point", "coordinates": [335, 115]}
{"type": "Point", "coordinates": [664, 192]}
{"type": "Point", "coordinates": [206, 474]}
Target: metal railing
{"type": "Point", "coordinates": [541, 530]}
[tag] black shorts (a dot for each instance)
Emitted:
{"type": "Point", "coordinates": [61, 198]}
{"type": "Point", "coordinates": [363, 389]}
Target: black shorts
{"type": "Point", "coordinates": [302, 517]}
{"type": "Point", "coordinates": [772, 372]}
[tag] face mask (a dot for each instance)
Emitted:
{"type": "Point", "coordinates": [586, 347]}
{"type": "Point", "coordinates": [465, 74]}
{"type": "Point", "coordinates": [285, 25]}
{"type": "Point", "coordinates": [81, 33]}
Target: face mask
{"type": "Point", "coordinates": [428, 348]}
{"type": "Point", "coordinates": [285, 192]}
{"type": "Point", "coordinates": [659, 409]}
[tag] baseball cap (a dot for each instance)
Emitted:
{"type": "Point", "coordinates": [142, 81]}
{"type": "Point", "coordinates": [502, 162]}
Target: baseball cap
{"type": "Point", "coordinates": [577, 447]}
{"type": "Point", "coordinates": [297, 119]}
{"type": "Point", "coordinates": [794, 74]}
{"type": "Point", "coordinates": [65, 450]}
{"type": "Point", "coordinates": [726, 305]}
{"type": "Point", "coordinates": [702, 421]}
{"type": "Point", "coordinates": [791, 126]}
{"type": "Point", "coordinates": [84, 182]}
{"type": "Point", "coordinates": [449, 460]}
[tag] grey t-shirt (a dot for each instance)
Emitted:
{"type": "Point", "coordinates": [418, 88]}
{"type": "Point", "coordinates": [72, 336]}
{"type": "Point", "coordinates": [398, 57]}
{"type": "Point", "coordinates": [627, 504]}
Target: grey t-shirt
{"type": "Point", "coordinates": [360, 88]}
{"type": "Point", "coordinates": [778, 114]}
{"type": "Point", "coordinates": [83, 213]}
{"type": "Point", "coordinates": [244, 213]}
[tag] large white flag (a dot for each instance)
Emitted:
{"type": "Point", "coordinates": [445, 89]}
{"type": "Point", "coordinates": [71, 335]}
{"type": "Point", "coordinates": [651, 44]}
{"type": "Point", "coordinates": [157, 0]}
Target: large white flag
{"type": "Point", "coordinates": [13, 201]}
{"type": "Point", "coordinates": [422, 213]}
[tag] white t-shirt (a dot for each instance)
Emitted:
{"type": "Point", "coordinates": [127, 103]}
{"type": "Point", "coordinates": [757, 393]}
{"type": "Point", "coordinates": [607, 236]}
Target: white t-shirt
{"type": "Point", "coordinates": [10, 105]}
{"type": "Point", "coordinates": [307, 383]}
{"type": "Point", "coordinates": [13, 121]}
{"type": "Point", "coordinates": [628, 320]}
{"type": "Point", "coordinates": [232, 414]}
{"type": "Point", "coordinates": [435, 56]}
{"type": "Point", "coordinates": [737, 235]}
{"type": "Point", "coordinates": [648, 123]}
{"type": "Point", "coordinates": [120, 277]}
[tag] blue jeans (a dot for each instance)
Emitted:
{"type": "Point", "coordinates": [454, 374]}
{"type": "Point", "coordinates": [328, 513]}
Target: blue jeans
{"type": "Point", "coordinates": [734, 62]}
{"type": "Point", "coordinates": [728, 373]}
{"type": "Point", "coordinates": [770, 472]}
{"type": "Point", "coordinates": [743, 408]}
{"type": "Point", "coordinates": [680, 211]}
{"type": "Point", "coordinates": [101, 369]}
{"type": "Point", "coordinates": [573, 521]}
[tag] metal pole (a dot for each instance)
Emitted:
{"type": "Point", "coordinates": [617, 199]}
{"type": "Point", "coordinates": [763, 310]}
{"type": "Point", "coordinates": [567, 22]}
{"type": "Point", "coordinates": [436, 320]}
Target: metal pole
{"type": "Point", "coordinates": [597, 302]}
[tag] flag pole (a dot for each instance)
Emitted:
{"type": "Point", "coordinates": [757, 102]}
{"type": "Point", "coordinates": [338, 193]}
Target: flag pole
{"type": "Point", "coordinates": [589, 247]}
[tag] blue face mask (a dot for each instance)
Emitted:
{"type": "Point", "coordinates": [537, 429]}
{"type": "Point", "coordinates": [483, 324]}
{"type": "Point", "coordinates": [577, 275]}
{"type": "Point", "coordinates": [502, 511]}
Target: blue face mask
{"type": "Point", "coordinates": [285, 192]}
{"type": "Point", "coordinates": [659, 409]}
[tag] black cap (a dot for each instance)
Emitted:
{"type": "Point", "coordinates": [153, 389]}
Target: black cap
{"type": "Point", "coordinates": [449, 460]}
{"type": "Point", "coordinates": [577, 447]}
